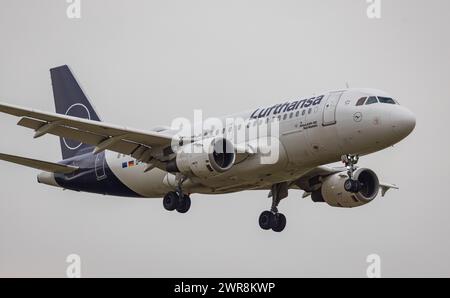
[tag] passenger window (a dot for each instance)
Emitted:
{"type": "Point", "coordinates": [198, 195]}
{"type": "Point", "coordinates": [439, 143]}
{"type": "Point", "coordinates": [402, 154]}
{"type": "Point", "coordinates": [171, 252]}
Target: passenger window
{"type": "Point", "coordinates": [371, 100]}
{"type": "Point", "coordinates": [285, 117]}
{"type": "Point", "coordinates": [361, 101]}
{"type": "Point", "coordinates": [386, 100]}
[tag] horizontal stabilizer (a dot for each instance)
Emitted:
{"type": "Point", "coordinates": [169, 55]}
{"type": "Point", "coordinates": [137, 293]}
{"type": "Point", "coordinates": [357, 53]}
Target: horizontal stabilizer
{"type": "Point", "coordinates": [38, 164]}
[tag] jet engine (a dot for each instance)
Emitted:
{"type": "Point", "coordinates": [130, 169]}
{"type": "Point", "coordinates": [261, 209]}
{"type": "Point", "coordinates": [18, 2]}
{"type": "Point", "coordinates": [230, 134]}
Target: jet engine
{"type": "Point", "coordinates": [334, 194]}
{"type": "Point", "coordinates": [205, 158]}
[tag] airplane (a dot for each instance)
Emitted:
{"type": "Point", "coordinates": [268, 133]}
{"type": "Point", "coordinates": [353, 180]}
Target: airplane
{"type": "Point", "coordinates": [313, 132]}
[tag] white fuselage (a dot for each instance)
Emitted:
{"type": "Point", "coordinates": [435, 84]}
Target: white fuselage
{"type": "Point", "coordinates": [309, 136]}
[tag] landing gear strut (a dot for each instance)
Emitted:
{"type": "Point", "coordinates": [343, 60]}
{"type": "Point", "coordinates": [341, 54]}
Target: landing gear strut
{"type": "Point", "coordinates": [350, 161]}
{"type": "Point", "coordinates": [177, 200]}
{"type": "Point", "coordinates": [273, 219]}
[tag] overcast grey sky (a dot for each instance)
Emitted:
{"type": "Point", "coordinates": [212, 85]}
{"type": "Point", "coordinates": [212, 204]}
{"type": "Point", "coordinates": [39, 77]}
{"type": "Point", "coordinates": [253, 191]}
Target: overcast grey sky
{"type": "Point", "coordinates": [146, 62]}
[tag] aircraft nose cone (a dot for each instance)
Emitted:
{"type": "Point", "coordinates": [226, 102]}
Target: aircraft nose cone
{"type": "Point", "coordinates": [404, 122]}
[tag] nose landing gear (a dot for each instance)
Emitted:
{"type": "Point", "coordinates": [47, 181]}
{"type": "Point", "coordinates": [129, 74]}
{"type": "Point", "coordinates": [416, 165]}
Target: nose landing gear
{"type": "Point", "coordinates": [351, 185]}
{"type": "Point", "coordinates": [273, 219]}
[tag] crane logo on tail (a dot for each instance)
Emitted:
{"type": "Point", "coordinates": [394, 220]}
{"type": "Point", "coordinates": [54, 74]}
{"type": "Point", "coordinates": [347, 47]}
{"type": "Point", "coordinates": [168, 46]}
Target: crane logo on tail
{"type": "Point", "coordinates": [80, 111]}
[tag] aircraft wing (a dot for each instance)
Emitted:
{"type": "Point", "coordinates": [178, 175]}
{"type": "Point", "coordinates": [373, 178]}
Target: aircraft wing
{"type": "Point", "coordinates": [134, 142]}
{"type": "Point", "coordinates": [38, 164]}
{"type": "Point", "coordinates": [385, 187]}
{"type": "Point", "coordinates": [304, 182]}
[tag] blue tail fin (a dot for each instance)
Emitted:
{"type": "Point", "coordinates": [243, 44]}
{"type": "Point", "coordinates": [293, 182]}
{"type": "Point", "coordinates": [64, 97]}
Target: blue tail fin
{"type": "Point", "coordinates": [70, 100]}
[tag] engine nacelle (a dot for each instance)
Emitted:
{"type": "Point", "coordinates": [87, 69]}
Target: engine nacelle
{"type": "Point", "coordinates": [334, 194]}
{"type": "Point", "coordinates": [205, 158]}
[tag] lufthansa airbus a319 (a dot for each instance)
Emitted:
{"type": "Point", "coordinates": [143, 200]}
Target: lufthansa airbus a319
{"type": "Point", "coordinates": [311, 133]}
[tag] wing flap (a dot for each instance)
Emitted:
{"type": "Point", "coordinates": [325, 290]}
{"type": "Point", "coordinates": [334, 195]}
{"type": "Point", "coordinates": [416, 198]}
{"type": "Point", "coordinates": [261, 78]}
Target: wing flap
{"type": "Point", "coordinates": [38, 164]}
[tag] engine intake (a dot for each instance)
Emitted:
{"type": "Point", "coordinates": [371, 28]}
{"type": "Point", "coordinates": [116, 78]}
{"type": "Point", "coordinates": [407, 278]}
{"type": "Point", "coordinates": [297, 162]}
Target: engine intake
{"type": "Point", "coordinates": [205, 158]}
{"type": "Point", "coordinates": [334, 194]}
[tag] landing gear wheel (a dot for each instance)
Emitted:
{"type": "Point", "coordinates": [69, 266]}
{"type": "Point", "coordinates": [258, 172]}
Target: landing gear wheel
{"type": "Point", "coordinates": [171, 201]}
{"type": "Point", "coordinates": [353, 186]}
{"type": "Point", "coordinates": [266, 220]}
{"type": "Point", "coordinates": [273, 219]}
{"type": "Point", "coordinates": [184, 204]}
{"type": "Point", "coordinates": [279, 222]}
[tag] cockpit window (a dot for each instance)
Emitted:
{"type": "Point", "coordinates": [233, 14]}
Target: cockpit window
{"type": "Point", "coordinates": [361, 101]}
{"type": "Point", "coordinates": [386, 100]}
{"type": "Point", "coordinates": [371, 100]}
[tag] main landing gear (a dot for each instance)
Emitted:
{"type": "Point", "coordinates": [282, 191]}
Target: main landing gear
{"type": "Point", "coordinates": [173, 201]}
{"type": "Point", "coordinates": [177, 200]}
{"type": "Point", "coordinates": [351, 185]}
{"type": "Point", "coordinates": [273, 219]}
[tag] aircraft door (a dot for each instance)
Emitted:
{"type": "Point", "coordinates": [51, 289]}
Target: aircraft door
{"type": "Point", "coordinates": [100, 166]}
{"type": "Point", "coordinates": [329, 110]}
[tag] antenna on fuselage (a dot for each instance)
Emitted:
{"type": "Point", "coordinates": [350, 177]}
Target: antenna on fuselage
{"type": "Point", "coordinates": [347, 85]}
